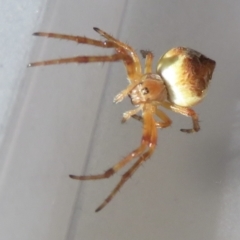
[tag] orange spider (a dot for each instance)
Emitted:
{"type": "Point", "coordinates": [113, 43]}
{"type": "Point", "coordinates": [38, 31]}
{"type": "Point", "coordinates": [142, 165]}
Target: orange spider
{"type": "Point", "coordinates": [181, 81]}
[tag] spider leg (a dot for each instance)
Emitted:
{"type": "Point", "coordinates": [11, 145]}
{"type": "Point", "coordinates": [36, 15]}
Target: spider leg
{"type": "Point", "coordinates": [127, 60]}
{"type": "Point", "coordinates": [111, 171]}
{"type": "Point", "coordinates": [122, 46]}
{"type": "Point", "coordinates": [166, 121]}
{"type": "Point", "coordinates": [148, 55]}
{"type": "Point", "coordinates": [137, 117]}
{"type": "Point", "coordinates": [125, 177]}
{"type": "Point", "coordinates": [80, 59]}
{"type": "Point", "coordinates": [150, 136]}
{"type": "Point", "coordinates": [130, 113]}
{"type": "Point", "coordinates": [148, 125]}
{"type": "Point", "coordinates": [186, 111]}
{"type": "Point", "coordinates": [123, 52]}
{"type": "Point", "coordinates": [78, 39]}
{"type": "Point", "coordinates": [163, 124]}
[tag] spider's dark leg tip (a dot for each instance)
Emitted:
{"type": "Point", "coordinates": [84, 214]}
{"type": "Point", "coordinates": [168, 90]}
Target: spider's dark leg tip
{"type": "Point", "coordinates": [99, 208]}
{"type": "Point", "coordinates": [72, 176]}
{"type": "Point", "coordinates": [36, 34]}
{"type": "Point", "coordinates": [144, 53]}
{"type": "Point", "coordinates": [96, 29]}
{"type": "Point", "coordinates": [187, 130]}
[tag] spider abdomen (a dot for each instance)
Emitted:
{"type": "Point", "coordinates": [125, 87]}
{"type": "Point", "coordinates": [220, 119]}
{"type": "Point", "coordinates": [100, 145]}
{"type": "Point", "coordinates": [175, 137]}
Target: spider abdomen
{"type": "Point", "coordinates": [186, 74]}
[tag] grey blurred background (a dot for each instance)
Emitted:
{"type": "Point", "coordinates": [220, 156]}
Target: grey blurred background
{"type": "Point", "coordinates": [60, 120]}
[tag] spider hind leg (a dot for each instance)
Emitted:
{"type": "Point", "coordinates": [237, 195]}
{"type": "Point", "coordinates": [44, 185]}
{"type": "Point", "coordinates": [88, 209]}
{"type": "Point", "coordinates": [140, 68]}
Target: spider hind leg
{"type": "Point", "coordinates": [186, 111]}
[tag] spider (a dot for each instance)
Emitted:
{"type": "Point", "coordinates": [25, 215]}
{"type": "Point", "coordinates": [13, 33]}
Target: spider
{"type": "Point", "coordinates": [180, 82]}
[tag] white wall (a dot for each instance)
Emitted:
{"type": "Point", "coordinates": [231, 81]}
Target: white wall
{"type": "Point", "coordinates": [63, 122]}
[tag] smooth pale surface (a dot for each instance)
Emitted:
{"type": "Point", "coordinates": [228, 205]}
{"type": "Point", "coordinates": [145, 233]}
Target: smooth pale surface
{"type": "Point", "coordinates": [17, 21]}
{"type": "Point", "coordinates": [64, 122]}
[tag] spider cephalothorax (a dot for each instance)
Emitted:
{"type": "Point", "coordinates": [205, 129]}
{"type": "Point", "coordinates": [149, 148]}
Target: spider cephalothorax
{"type": "Point", "coordinates": [151, 88]}
{"type": "Point", "coordinates": [180, 81]}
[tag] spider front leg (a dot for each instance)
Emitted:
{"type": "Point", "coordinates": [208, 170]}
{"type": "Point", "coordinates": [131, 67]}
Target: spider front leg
{"type": "Point", "coordinates": [122, 46]}
{"type": "Point", "coordinates": [78, 39]}
{"type": "Point", "coordinates": [80, 59]}
{"type": "Point", "coordinates": [123, 52]}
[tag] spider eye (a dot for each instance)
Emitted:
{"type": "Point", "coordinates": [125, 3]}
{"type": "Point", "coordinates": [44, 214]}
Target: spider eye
{"type": "Point", "coordinates": [145, 91]}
